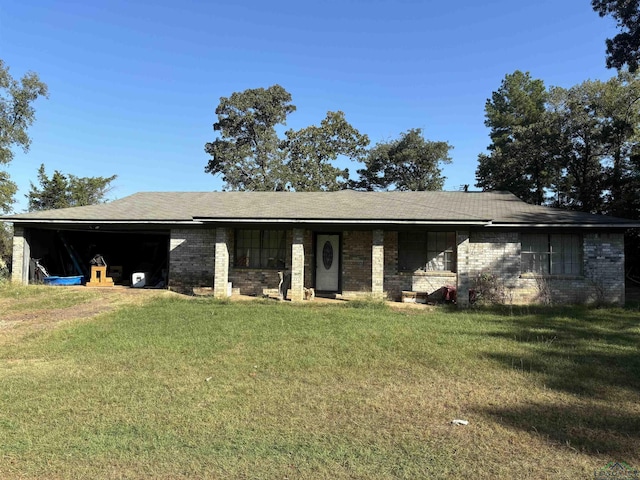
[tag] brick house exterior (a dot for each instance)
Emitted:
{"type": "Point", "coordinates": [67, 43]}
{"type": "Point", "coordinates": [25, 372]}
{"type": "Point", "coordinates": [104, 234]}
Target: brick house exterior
{"type": "Point", "coordinates": [349, 244]}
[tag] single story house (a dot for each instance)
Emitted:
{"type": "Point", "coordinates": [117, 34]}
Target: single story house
{"type": "Point", "coordinates": [344, 243]}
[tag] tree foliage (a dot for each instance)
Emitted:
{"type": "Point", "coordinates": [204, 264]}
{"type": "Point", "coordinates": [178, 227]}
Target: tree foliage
{"type": "Point", "coordinates": [250, 155]}
{"type": "Point", "coordinates": [8, 190]}
{"type": "Point", "coordinates": [624, 48]}
{"type": "Point", "coordinates": [310, 152]}
{"type": "Point", "coordinates": [62, 190]}
{"type": "Point", "coordinates": [620, 106]}
{"type": "Point", "coordinates": [521, 155]}
{"type": "Point", "coordinates": [574, 148]}
{"type": "Point", "coordinates": [407, 163]}
{"type": "Point", "coordinates": [16, 111]}
{"type": "Point", "coordinates": [582, 147]}
{"type": "Point", "coordinates": [16, 116]}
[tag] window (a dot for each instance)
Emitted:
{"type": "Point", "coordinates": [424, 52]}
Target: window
{"type": "Point", "coordinates": [552, 254]}
{"type": "Point", "coordinates": [260, 248]}
{"type": "Point", "coordinates": [422, 250]}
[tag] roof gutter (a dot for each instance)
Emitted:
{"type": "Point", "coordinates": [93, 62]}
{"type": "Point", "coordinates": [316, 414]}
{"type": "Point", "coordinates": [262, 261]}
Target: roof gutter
{"type": "Point", "coordinates": [565, 225]}
{"type": "Point", "coordinates": [338, 222]}
{"type": "Point", "coordinates": [101, 222]}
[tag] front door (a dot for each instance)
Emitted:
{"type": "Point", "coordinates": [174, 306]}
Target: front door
{"type": "Point", "coordinates": [327, 263]}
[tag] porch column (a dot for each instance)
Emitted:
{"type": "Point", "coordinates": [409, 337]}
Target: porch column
{"type": "Point", "coordinates": [297, 265]}
{"type": "Point", "coordinates": [21, 256]}
{"type": "Point", "coordinates": [377, 264]}
{"type": "Point", "coordinates": [462, 287]}
{"type": "Point", "coordinates": [221, 271]}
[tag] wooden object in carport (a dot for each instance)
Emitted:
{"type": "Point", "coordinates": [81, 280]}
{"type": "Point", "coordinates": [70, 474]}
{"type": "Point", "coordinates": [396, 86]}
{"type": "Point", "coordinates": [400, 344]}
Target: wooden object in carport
{"type": "Point", "coordinates": [99, 277]}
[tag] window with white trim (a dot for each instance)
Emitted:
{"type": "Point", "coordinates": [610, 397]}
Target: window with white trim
{"type": "Point", "coordinates": [425, 251]}
{"type": "Point", "coordinates": [551, 253]}
{"type": "Point", "coordinates": [260, 248]}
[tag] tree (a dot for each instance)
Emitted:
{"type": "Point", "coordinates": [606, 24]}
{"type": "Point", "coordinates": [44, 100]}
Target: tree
{"type": "Point", "coordinates": [62, 191]}
{"type": "Point", "coordinates": [16, 111]}
{"type": "Point", "coordinates": [624, 48]}
{"type": "Point", "coordinates": [599, 134]}
{"type": "Point", "coordinates": [311, 150]}
{"type": "Point", "coordinates": [620, 112]}
{"type": "Point", "coordinates": [582, 149]}
{"type": "Point", "coordinates": [7, 191]}
{"type": "Point", "coordinates": [248, 154]}
{"type": "Point", "coordinates": [16, 116]}
{"type": "Point", "coordinates": [407, 163]}
{"type": "Point", "coordinates": [522, 157]}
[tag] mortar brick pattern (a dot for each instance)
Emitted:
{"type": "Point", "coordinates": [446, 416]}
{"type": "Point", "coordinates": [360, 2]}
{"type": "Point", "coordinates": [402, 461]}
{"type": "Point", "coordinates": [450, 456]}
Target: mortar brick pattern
{"type": "Point", "coordinates": [191, 258]}
{"type": "Point", "coordinates": [377, 263]}
{"type": "Point", "coordinates": [221, 263]}
{"type": "Point", "coordinates": [18, 275]}
{"type": "Point", "coordinates": [603, 266]}
{"type": "Point", "coordinates": [297, 265]}
{"type": "Point", "coordinates": [393, 283]}
{"type": "Point", "coordinates": [356, 262]}
{"type": "Point", "coordinates": [252, 281]}
{"type": "Point", "coordinates": [370, 258]}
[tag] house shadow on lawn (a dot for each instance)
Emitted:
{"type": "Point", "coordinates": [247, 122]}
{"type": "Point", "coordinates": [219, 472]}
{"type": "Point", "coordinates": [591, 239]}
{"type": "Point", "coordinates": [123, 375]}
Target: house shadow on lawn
{"type": "Point", "coordinates": [591, 430]}
{"type": "Point", "coordinates": [590, 354]}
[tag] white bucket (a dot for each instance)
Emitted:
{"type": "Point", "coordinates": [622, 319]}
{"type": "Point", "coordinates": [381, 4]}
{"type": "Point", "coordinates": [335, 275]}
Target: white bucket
{"type": "Point", "coordinates": [139, 279]}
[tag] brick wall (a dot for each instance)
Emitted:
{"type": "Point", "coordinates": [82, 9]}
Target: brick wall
{"type": "Point", "coordinates": [252, 281]}
{"type": "Point", "coordinates": [498, 254]}
{"type": "Point", "coordinates": [397, 281]}
{"type": "Point", "coordinates": [191, 258]}
{"type": "Point", "coordinates": [356, 262]}
{"type": "Point", "coordinates": [602, 279]}
{"type": "Point", "coordinates": [192, 262]}
{"type": "Point", "coordinates": [393, 283]}
{"type": "Point", "coordinates": [604, 267]}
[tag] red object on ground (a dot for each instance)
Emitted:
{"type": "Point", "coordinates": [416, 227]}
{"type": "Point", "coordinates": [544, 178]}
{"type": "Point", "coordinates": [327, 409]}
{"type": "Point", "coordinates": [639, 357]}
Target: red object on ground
{"type": "Point", "coordinates": [449, 293]}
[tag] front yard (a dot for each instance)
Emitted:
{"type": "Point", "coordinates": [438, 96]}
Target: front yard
{"type": "Point", "coordinates": [174, 387]}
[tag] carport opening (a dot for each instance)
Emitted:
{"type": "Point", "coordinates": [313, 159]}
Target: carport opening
{"type": "Point", "coordinates": [127, 254]}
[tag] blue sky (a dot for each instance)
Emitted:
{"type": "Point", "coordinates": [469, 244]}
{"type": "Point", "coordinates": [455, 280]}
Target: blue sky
{"type": "Point", "coordinates": [134, 84]}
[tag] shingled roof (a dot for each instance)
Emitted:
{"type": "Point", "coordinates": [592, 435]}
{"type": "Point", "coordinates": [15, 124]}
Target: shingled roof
{"type": "Point", "coordinates": [347, 206]}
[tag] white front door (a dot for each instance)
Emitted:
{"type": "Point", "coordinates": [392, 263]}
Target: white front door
{"type": "Point", "coordinates": [327, 263]}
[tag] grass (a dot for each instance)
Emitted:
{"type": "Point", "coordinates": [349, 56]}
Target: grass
{"type": "Point", "coordinates": [15, 298]}
{"type": "Point", "coordinates": [194, 388]}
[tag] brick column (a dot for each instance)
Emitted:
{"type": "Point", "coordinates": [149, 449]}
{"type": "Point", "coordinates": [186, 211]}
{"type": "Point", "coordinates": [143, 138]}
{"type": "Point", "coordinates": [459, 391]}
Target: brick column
{"type": "Point", "coordinates": [221, 275]}
{"type": "Point", "coordinates": [21, 256]}
{"type": "Point", "coordinates": [297, 265]}
{"type": "Point", "coordinates": [462, 240]}
{"type": "Point", "coordinates": [377, 264]}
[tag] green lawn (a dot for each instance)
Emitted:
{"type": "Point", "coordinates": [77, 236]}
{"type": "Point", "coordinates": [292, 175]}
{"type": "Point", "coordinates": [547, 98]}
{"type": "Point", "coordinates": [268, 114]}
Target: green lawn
{"type": "Point", "coordinates": [193, 388]}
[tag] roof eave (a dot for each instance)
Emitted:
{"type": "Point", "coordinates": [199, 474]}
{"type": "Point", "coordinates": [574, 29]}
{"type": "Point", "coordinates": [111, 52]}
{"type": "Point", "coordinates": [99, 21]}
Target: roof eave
{"type": "Point", "coordinates": [563, 225]}
{"type": "Point", "coordinates": [328, 221]}
{"type": "Point", "coordinates": [99, 222]}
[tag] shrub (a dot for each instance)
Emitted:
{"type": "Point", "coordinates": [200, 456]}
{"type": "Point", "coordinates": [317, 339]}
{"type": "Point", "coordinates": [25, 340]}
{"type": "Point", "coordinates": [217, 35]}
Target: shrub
{"type": "Point", "coordinates": [489, 290]}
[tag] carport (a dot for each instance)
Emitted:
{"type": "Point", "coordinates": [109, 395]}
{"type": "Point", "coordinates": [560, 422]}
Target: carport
{"type": "Point", "coordinates": [66, 250]}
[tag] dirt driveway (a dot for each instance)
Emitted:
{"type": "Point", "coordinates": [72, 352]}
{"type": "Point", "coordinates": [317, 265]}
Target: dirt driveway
{"type": "Point", "coordinates": [25, 311]}
{"type": "Point", "coordinates": [24, 315]}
